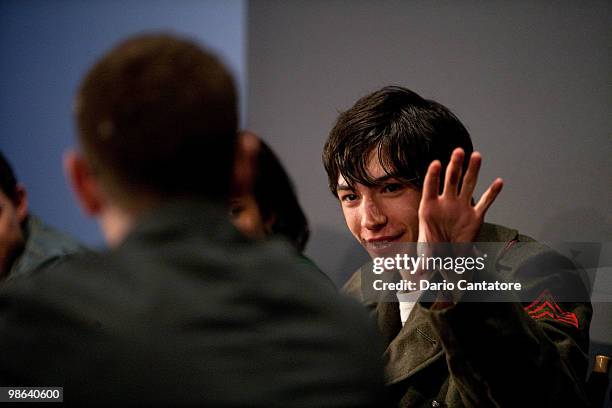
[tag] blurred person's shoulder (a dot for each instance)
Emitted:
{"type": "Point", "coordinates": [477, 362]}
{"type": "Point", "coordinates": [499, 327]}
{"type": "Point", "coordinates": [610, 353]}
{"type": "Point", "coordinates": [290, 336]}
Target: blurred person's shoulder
{"type": "Point", "coordinates": [181, 251]}
{"type": "Point", "coordinates": [44, 246]}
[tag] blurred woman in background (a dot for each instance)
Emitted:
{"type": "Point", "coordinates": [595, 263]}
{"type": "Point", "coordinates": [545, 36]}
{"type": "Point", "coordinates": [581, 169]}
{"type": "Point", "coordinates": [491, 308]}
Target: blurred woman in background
{"type": "Point", "coordinates": [270, 208]}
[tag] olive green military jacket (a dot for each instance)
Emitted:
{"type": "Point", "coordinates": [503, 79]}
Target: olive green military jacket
{"type": "Point", "coordinates": [494, 353]}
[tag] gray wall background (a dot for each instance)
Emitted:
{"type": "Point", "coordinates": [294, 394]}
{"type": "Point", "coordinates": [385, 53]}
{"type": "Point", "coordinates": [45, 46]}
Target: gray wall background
{"type": "Point", "coordinates": [531, 80]}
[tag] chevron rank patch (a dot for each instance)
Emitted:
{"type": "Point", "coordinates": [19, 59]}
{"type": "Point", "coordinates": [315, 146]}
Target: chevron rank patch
{"type": "Point", "coordinates": [545, 307]}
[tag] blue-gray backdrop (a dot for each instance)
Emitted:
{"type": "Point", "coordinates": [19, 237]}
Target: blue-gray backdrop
{"type": "Point", "coordinates": [45, 49]}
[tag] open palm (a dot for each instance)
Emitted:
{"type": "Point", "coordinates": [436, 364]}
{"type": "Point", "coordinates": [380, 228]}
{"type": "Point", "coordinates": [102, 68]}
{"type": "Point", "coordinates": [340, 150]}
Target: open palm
{"type": "Point", "coordinates": [450, 216]}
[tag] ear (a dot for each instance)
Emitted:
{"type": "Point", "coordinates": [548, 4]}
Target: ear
{"type": "Point", "coordinates": [245, 163]}
{"type": "Point", "coordinates": [21, 205]}
{"type": "Point", "coordinates": [84, 183]}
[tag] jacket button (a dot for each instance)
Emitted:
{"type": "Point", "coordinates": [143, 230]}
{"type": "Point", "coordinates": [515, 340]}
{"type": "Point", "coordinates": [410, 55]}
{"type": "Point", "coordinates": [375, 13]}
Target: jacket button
{"type": "Point", "coordinates": [435, 404]}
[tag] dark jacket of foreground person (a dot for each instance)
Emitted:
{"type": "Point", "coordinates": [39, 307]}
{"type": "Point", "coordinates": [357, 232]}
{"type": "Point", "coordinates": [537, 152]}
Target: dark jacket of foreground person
{"type": "Point", "coordinates": [494, 353]}
{"type": "Point", "coordinates": [186, 310]}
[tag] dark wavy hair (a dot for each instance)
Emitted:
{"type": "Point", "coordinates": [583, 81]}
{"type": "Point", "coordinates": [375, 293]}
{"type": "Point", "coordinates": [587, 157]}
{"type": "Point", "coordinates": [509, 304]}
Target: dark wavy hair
{"type": "Point", "coordinates": [8, 182]}
{"type": "Point", "coordinates": [407, 131]}
{"type": "Point", "coordinates": [276, 198]}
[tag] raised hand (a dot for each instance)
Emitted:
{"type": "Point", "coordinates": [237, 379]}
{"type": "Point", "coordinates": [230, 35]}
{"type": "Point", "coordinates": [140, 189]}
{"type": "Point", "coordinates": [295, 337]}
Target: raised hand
{"type": "Point", "coordinates": [450, 216]}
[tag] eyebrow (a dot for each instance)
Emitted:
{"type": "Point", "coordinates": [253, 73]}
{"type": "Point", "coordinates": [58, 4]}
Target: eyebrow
{"type": "Point", "coordinates": [376, 181]}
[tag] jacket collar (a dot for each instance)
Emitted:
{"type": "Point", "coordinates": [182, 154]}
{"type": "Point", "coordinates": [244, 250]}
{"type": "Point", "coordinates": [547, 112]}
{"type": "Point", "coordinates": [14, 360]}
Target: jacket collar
{"type": "Point", "coordinates": [205, 218]}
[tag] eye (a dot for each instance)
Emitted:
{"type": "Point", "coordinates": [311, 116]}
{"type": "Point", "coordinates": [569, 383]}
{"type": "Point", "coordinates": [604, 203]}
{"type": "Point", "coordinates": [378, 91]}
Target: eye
{"type": "Point", "coordinates": [348, 197]}
{"type": "Point", "coordinates": [235, 210]}
{"type": "Point", "coordinates": [392, 187]}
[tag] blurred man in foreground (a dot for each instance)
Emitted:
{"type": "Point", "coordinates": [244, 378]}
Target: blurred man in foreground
{"type": "Point", "coordinates": [182, 308]}
{"type": "Point", "coordinates": [403, 170]}
{"type": "Point", "coordinates": [26, 243]}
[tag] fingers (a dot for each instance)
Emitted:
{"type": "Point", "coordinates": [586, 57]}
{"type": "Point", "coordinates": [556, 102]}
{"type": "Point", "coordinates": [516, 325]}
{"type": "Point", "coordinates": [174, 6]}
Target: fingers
{"type": "Point", "coordinates": [453, 176]}
{"type": "Point", "coordinates": [453, 173]}
{"type": "Point", "coordinates": [471, 176]}
{"type": "Point", "coordinates": [489, 196]}
{"type": "Point", "coordinates": [431, 184]}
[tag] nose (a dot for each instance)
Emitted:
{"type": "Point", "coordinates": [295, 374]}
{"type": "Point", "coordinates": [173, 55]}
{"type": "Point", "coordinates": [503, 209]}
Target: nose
{"type": "Point", "coordinates": [372, 215]}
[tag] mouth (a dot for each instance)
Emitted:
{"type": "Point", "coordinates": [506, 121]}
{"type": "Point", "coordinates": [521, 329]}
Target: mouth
{"type": "Point", "coordinates": [381, 243]}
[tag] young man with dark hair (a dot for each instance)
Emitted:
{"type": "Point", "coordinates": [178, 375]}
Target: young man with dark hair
{"type": "Point", "coordinates": [182, 309]}
{"type": "Point", "coordinates": [26, 243]}
{"type": "Point", "coordinates": [404, 172]}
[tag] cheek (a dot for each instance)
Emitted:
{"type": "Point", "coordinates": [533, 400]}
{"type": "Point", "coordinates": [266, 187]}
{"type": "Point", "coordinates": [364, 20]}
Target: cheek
{"type": "Point", "coordinates": [404, 211]}
{"type": "Point", "coordinates": [11, 236]}
{"type": "Point", "coordinates": [411, 201]}
{"type": "Point", "coordinates": [351, 217]}
{"type": "Point", "coordinates": [251, 224]}
{"type": "Point", "coordinates": [241, 222]}
{"type": "Point", "coordinates": [9, 226]}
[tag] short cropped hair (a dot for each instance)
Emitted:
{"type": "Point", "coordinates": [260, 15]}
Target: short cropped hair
{"type": "Point", "coordinates": [276, 198]}
{"type": "Point", "coordinates": [8, 182]}
{"type": "Point", "coordinates": [407, 131]}
{"type": "Point", "coordinates": [158, 113]}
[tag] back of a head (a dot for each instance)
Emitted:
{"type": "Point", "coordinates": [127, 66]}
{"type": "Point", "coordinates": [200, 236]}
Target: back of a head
{"type": "Point", "coordinates": [157, 114]}
{"type": "Point", "coordinates": [406, 130]}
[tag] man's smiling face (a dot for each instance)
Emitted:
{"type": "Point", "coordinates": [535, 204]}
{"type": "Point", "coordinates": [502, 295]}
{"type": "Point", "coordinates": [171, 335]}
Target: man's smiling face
{"type": "Point", "coordinates": [381, 214]}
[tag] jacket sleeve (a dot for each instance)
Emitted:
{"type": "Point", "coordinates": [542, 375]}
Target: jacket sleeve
{"type": "Point", "coordinates": [513, 353]}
